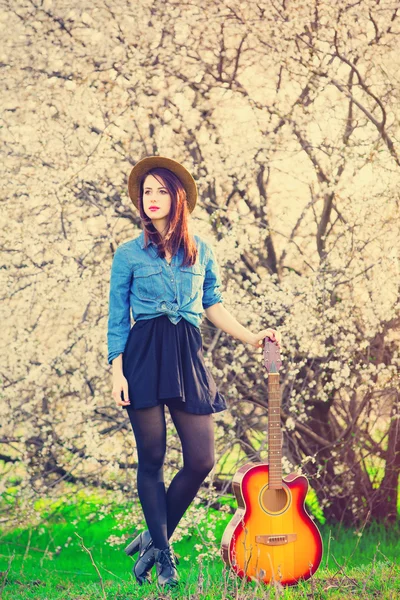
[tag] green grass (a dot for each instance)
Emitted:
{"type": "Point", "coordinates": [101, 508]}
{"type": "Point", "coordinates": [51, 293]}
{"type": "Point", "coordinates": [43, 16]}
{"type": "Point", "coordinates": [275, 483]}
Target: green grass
{"type": "Point", "coordinates": [50, 562]}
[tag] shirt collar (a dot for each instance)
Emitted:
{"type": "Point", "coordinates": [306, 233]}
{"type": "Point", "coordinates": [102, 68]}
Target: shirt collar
{"type": "Point", "coordinates": [141, 237]}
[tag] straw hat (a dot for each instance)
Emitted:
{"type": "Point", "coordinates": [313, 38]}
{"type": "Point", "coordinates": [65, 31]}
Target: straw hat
{"type": "Point", "coordinates": [150, 162]}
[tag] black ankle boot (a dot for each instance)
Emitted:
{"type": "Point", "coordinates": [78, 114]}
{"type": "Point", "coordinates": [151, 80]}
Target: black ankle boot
{"type": "Point", "coordinates": [143, 544]}
{"type": "Point", "coordinates": [145, 561]}
{"type": "Point", "coordinates": [167, 574]}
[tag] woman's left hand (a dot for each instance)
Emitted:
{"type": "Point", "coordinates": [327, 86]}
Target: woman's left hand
{"type": "Point", "coordinates": [258, 338]}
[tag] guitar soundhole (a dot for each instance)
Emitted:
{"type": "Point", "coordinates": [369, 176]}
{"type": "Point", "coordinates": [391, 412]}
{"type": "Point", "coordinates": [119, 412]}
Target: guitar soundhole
{"type": "Point", "coordinates": [275, 501]}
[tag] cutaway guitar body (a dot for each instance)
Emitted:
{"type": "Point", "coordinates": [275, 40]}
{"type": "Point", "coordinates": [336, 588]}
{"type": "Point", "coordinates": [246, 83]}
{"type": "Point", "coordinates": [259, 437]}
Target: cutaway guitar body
{"type": "Point", "coordinates": [271, 536]}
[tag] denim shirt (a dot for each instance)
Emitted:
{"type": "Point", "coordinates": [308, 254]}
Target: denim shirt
{"type": "Point", "coordinates": [145, 283]}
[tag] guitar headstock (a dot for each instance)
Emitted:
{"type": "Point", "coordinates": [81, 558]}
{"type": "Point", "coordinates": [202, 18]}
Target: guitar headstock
{"type": "Point", "coordinates": [272, 356]}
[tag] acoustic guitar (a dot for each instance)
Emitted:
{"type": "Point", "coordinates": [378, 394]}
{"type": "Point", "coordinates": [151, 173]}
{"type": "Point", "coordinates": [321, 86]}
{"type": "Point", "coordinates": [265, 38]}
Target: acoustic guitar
{"type": "Point", "coordinates": [271, 536]}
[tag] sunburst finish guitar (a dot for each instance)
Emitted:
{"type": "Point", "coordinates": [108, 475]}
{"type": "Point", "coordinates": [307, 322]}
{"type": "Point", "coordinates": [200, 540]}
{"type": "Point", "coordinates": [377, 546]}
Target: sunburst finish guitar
{"type": "Point", "coordinates": [271, 537]}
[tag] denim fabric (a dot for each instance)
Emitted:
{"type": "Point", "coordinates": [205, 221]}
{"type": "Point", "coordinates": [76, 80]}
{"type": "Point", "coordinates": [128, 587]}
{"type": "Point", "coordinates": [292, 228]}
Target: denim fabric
{"type": "Point", "coordinates": [143, 282]}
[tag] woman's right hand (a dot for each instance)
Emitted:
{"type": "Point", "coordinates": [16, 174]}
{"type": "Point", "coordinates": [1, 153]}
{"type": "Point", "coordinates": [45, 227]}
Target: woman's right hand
{"type": "Point", "coordinates": [120, 384]}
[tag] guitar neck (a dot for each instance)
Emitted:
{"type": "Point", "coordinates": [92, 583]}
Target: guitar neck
{"type": "Point", "coordinates": [274, 432]}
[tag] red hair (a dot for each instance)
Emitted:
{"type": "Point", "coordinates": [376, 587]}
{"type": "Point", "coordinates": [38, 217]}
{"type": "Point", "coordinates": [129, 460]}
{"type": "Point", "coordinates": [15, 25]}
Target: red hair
{"type": "Point", "coordinates": [177, 230]}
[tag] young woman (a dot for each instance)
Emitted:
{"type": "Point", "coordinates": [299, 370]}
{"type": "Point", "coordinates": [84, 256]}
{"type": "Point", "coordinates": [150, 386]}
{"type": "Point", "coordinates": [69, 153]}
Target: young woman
{"type": "Point", "coordinates": [168, 278]}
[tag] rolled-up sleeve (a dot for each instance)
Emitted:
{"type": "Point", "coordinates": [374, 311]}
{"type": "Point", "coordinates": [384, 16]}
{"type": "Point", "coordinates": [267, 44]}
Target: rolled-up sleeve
{"type": "Point", "coordinates": [212, 281]}
{"type": "Point", "coordinates": [119, 321]}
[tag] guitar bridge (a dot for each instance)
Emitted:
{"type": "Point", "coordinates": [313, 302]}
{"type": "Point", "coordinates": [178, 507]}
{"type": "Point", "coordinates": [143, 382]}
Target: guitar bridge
{"type": "Point", "coordinates": [276, 540]}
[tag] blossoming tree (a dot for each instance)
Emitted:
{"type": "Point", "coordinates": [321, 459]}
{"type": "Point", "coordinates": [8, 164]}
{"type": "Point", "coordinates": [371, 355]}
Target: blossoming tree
{"type": "Point", "coordinates": [287, 115]}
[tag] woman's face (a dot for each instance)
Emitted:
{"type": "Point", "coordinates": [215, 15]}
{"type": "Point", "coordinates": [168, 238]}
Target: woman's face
{"type": "Point", "coordinates": [156, 194]}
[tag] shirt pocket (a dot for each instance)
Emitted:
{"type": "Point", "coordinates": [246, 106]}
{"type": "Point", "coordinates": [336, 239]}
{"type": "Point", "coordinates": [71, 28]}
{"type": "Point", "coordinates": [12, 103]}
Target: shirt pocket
{"type": "Point", "coordinates": [148, 283]}
{"type": "Point", "coordinates": [192, 279]}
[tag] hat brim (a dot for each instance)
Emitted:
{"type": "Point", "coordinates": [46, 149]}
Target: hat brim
{"type": "Point", "coordinates": [149, 162]}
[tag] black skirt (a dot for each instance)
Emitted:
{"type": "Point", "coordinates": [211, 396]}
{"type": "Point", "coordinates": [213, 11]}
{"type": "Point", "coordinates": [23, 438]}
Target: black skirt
{"type": "Point", "coordinates": [164, 363]}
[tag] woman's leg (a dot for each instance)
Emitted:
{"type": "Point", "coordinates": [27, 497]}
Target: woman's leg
{"type": "Point", "coordinates": [196, 433]}
{"type": "Point", "coordinates": [149, 428]}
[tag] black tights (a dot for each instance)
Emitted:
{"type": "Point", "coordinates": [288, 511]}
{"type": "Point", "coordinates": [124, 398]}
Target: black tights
{"type": "Point", "coordinates": [163, 510]}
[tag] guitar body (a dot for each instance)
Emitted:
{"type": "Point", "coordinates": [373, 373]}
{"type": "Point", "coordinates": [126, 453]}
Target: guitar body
{"type": "Point", "coordinates": [271, 536]}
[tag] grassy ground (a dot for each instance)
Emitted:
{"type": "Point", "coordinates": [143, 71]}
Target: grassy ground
{"type": "Point", "coordinates": [70, 559]}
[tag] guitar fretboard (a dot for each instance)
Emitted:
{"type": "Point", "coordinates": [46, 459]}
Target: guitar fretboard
{"type": "Point", "coordinates": [274, 432]}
